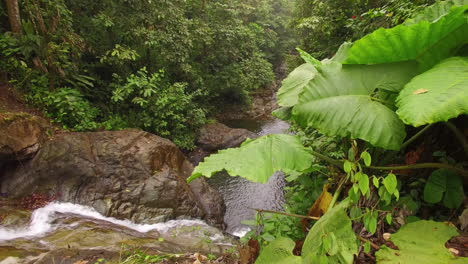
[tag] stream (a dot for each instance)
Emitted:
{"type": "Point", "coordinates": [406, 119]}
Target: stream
{"type": "Point", "coordinates": [30, 236]}
{"type": "Point", "coordinates": [240, 195]}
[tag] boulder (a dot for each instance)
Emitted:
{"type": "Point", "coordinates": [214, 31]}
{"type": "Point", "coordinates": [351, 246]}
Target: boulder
{"type": "Point", "coordinates": [127, 174]}
{"type": "Point", "coordinates": [219, 136]}
{"type": "Point", "coordinates": [21, 136]}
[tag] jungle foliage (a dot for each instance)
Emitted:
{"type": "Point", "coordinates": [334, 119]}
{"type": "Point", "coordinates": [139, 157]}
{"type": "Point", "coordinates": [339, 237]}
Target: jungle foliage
{"type": "Point", "coordinates": [162, 66]}
{"type": "Point", "coordinates": [370, 94]}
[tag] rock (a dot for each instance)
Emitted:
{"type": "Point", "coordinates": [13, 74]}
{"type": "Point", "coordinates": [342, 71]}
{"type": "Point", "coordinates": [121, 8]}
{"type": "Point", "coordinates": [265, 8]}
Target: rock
{"type": "Point", "coordinates": [21, 136]}
{"type": "Point", "coordinates": [127, 174]}
{"type": "Point", "coordinates": [11, 217]}
{"type": "Point", "coordinates": [218, 136]}
{"type": "Point", "coordinates": [85, 239]}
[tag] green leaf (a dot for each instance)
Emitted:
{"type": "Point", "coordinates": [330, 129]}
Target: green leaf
{"type": "Point", "coordinates": [355, 212]}
{"type": "Point", "coordinates": [279, 251]}
{"type": "Point", "coordinates": [390, 182]}
{"type": "Point", "coordinates": [283, 113]}
{"type": "Point", "coordinates": [367, 158]}
{"type": "Point", "coordinates": [375, 180]}
{"type": "Point", "coordinates": [437, 95]}
{"type": "Point", "coordinates": [339, 102]}
{"type": "Point", "coordinates": [364, 184]}
{"type": "Point", "coordinates": [435, 11]}
{"type": "Point", "coordinates": [333, 250]}
{"type": "Point", "coordinates": [294, 84]}
{"type": "Point", "coordinates": [455, 195]}
{"type": "Point", "coordinates": [367, 247]}
{"type": "Point", "coordinates": [389, 218]}
{"type": "Point", "coordinates": [420, 242]}
{"type": "Point", "coordinates": [334, 221]}
{"type": "Point", "coordinates": [257, 160]}
{"type": "Point", "coordinates": [435, 186]}
{"type": "Point", "coordinates": [309, 58]}
{"type": "Point", "coordinates": [425, 42]}
{"type": "Point", "coordinates": [342, 52]}
{"type": "Point", "coordinates": [370, 221]}
{"type": "Point", "coordinates": [347, 166]}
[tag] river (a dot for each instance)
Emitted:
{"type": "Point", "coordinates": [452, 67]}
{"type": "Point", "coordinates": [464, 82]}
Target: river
{"type": "Point", "coordinates": [240, 195]}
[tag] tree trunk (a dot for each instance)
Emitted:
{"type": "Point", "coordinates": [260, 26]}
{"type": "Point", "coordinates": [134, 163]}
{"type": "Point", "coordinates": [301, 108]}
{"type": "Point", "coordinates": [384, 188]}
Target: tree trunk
{"type": "Point", "coordinates": [14, 15]}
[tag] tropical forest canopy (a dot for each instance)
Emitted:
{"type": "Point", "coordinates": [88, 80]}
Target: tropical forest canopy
{"type": "Point", "coordinates": [377, 99]}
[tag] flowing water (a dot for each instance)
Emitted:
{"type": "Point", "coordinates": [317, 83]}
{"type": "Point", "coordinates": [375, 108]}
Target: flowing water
{"type": "Point", "coordinates": [240, 195]}
{"type": "Point", "coordinates": [43, 221]}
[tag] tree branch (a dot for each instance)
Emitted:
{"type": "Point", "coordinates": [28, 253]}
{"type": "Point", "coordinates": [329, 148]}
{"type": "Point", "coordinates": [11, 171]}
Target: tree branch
{"type": "Point", "coordinates": [338, 163]}
{"type": "Point", "coordinates": [287, 214]}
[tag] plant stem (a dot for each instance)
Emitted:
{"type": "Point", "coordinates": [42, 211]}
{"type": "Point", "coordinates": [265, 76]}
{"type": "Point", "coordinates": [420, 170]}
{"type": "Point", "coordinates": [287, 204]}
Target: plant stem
{"type": "Point", "coordinates": [373, 245]}
{"type": "Point", "coordinates": [337, 193]}
{"type": "Point", "coordinates": [338, 163]}
{"type": "Point", "coordinates": [459, 136]}
{"type": "Point", "coordinates": [287, 214]}
{"type": "Point", "coordinates": [423, 166]}
{"type": "Point", "coordinates": [413, 138]}
{"type": "Point", "coordinates": [335, 162]}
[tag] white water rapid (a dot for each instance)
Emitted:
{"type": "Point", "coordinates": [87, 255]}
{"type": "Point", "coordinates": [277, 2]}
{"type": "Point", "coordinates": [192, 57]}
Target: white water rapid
{"type": "Point", "coordinates": [41, 221]}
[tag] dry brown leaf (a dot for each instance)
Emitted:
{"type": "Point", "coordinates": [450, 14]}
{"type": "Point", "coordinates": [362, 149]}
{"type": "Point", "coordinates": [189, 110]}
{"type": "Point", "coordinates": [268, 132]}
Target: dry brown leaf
{"type": "Point", "coordinates": [321, 205]}
{"type": "Point", "coordinates": [387, 236]}
{"type": "Point", "coordinates": [421, 91]}
{"type": "Point", "coordinates": [81, 262]}
{"type": "Point", "coordinates": [319, 208]}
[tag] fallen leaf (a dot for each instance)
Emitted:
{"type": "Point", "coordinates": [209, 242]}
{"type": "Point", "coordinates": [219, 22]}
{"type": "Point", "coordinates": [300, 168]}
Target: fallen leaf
{"type": "Point", "coordinates": [454, 251]}
{"type": "Point", "coordinates": [387, 236]}
{"type": "Point", "coordinates": [320, 206]}
{"type": "Point", "coordinates": [421, 91]}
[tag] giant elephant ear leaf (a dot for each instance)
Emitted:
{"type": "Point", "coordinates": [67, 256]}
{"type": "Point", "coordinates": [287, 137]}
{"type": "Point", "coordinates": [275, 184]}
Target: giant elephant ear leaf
{"type": "Point", "coordinates": [294, 84]}
{"type": "Point", "coordinates": [420, 242]}
{"type": "Point", "coordinates": [257, 160]}
{"type": "Point", "coordinates": [341, 101]}
{"type": "Point", "coordinates": [335, 223]}
{"type": "Point", "coordinates": [435, 11]}
{"type": "Point", "coordinates": [279, 251]}
{"type": "Point", "coordinates": [426, 42]}
{"type": "Point", "coordinates": [436, 95]}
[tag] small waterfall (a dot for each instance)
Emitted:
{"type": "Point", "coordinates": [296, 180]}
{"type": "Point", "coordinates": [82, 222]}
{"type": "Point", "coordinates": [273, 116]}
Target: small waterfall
{"type": "Point", "coordinates": [42, 219]}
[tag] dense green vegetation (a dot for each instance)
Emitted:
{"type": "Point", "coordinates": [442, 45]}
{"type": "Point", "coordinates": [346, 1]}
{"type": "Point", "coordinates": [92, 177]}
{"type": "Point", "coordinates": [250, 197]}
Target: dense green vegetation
{"type": "Point", "coordinates": [368, 96]}
{"type": "Point", "coordinates": [377, 98]}
{"type": "Point", "coordinates": [162, 66]}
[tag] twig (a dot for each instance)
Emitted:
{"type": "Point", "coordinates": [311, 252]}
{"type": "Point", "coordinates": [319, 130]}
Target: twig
{"type": "Point", "coordinates": [287, 214]}
{"type": "Point", "coordinates": [424, 166]}
{"type": "Point", "coordinates": [373, 245]}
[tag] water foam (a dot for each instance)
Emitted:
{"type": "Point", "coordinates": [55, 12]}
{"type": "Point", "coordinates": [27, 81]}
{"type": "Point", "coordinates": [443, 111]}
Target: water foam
{"type": "Point", "coordinates": [42, 218]}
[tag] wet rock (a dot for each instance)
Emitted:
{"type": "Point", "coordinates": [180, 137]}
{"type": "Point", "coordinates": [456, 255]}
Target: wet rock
{"type": "Point", "coordinates": [85, 239]}
{"type": "Point", "coordinates": [126, 174]}
{"type": "Point", "coordinates": [21, 136]}
{"type": "Point", "coordinates": [11, 217]}
{"type": "Point", "coordinates": [219, 136]}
